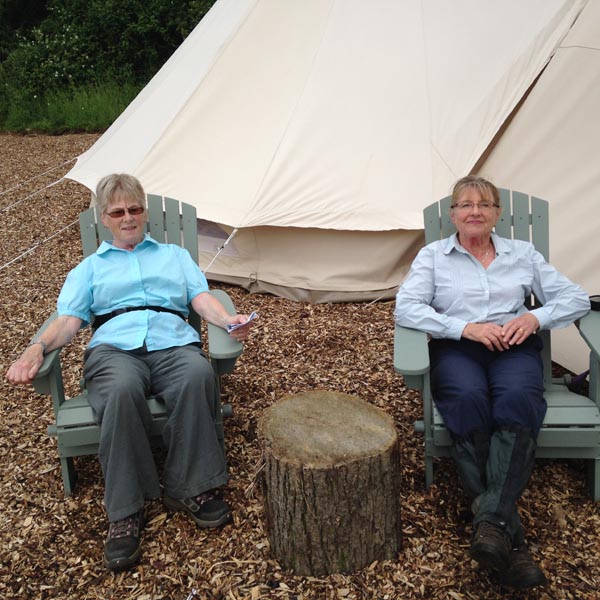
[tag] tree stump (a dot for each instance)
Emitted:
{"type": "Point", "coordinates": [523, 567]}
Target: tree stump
{"type": "Point", "coordinates": [330, 483]}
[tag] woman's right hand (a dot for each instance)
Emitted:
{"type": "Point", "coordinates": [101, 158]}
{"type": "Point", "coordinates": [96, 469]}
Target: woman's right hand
{"type": "Point", "coordinates": [58, 333]}
{"type": "Point", "coordinates": [488, 334]}
{"type": "Point", "coordinates": [25, 368]}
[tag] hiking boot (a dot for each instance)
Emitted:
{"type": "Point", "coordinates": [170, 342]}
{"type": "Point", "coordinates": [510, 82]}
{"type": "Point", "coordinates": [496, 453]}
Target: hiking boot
{"type": "Point", "coordinates": [491, 546]}
{"type": "Point", "coordinates": [122, 548]}
{"type": "Point", "coordinates": [207, 509]}
{"type": "Point", "coordinates": [522, 571]}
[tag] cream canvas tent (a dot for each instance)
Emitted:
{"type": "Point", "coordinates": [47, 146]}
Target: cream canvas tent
{"type": "Point", "coordinates": [311, 134]}
{"type": "Point", "coordinates": [551, 148]}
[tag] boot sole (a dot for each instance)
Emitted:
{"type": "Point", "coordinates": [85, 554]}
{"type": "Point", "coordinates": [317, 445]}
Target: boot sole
{"type": "Point", "coordinates": [123, 563]}
{"type": "Point", "coordinates": [522, 582]}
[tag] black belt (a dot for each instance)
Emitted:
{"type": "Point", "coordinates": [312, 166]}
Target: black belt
{"type": "Point", "coordinates": [99, 320]}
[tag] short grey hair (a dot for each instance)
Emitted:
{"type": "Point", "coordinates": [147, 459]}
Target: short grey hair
{"type": "Point", "coordinates": [486, 188]}
{"type": "Point", "coordinates": [126, 184]}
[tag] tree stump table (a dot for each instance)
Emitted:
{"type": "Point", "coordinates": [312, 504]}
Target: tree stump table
{"type": "Point", "coordinates": [330, 483]}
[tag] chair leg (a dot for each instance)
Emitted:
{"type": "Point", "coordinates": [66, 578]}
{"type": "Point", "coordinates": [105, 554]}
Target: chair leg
{"type": "Point", "coordinates": [593, 477]}
{"type": "Point", "coordinates": [428, 470]}
{"type": "Point", "coordinates": [69, 475]}
{"type": "Point", "coordinates": [220, 413]}
{"type": "Point", "coordinates": [220, 433]}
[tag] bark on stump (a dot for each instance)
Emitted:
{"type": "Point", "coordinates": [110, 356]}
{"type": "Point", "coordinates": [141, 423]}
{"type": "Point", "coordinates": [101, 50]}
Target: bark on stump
{"type": "Point", "coordinates": [331, 483]}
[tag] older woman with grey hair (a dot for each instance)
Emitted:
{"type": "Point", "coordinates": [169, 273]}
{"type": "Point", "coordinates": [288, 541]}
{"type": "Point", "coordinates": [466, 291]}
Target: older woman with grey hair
{"type": "Point", "coordinates": [468, 292]}
{"type": "Point", "coordinates": [147, 348]}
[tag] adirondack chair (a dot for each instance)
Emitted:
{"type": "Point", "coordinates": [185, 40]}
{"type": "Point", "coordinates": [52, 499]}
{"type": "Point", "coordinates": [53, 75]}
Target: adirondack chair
{"type": "Point", "coordinates": [74, 428]}
{"type": "Point", "coordinates": [571, 428]}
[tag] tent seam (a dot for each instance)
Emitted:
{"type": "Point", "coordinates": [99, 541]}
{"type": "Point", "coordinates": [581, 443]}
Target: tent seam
{"type": "Point", "coordinates": [290, 119]}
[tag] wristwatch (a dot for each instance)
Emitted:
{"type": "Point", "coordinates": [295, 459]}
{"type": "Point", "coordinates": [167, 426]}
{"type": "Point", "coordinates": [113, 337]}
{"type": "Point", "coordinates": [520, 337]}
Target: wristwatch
{"type": "Point", "coordinates": [595, 302]}
{"type": "Point", "coordinates": [42, 344]}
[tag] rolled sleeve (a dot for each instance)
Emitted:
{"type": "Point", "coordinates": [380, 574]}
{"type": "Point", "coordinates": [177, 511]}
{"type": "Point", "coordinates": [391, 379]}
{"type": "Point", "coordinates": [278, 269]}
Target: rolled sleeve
{"type": "Point", "coordinates": [75, 298]}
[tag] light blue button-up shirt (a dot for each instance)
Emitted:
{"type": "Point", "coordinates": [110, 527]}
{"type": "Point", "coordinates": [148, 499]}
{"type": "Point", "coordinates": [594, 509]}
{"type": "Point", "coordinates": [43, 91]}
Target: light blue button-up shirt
{"type": "Point", "coordinates": [152, 274]}
{"type": "Point", "coordinates": [447, 288]}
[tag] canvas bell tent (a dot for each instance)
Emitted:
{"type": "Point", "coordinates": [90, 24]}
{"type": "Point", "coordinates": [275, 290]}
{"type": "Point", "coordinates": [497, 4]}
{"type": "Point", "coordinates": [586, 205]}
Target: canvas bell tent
{"type": "Point", "coordinates": [550, 148]}
{"type": "Point", "coordinates": [317, 131]}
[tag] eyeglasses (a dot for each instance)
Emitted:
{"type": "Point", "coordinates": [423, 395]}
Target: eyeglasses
{"type": "Point", "coordinates": [467, 206]}
{"type": "Point", "coordinates": [120, 212]}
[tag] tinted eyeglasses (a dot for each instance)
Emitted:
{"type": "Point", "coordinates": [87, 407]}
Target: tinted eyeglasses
{"type": "Point", "coordinates": [484, 206]}
{"type": "Point", "coordinates": [117, 213]}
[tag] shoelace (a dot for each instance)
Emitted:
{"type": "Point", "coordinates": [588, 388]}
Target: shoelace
{"type": "Point", "coordinates": [123, 528]}
{"type": "Point", "coordinates": [486, 529]}
{"type": "Point", "coordinates": [203, 498]}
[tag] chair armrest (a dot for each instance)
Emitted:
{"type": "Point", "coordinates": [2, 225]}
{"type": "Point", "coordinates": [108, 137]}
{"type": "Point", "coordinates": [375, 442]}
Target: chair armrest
{"type": "Point", "coordinates": [50, 361]}
{"type": "Point", "coordinates": [411, 355]}
{"type": "Point", "coordinates": [48, 379]}
{"type": "Point", "coordinates": [221, 345]}
{"type": "Point", "coordinates": [589, 328]}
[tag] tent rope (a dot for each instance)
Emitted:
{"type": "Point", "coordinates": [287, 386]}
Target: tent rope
{"type": "Point", "coordinates": [220, 249]}
{"type": "Point", "coordinates": [16, 187]}
{"type": "Point", "coordinates": [31, 195]}
{"type": "Point", "coordinates": [34, 247]}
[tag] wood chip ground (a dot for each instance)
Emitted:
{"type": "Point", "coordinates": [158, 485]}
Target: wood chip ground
{"type": "Point", "coordinates": [51, 547]}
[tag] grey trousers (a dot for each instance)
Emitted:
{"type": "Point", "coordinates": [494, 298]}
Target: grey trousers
{"type": "Point", "coordinates": [118, 382]}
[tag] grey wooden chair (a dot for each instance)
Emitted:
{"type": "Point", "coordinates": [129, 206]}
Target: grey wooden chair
{"type": "Point", "coordinates": [571, 428]}
{"type": "Point", "coordinates": [74, 428]}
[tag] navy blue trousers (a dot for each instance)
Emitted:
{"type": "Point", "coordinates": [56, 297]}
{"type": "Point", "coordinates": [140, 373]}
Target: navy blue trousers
{"type": "Point", "coordinates": [476, 389]}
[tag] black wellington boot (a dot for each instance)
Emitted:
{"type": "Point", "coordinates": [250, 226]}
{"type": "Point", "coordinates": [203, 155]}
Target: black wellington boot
{"type": "Point", "coordinates": [470, 456]}
{"type": "Point", "coordinates": [497, 527]}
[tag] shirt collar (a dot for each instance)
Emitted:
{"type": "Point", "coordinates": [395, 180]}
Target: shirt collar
{"type": "Point", "coordinates": [451, 243]}
{"type": "Point", "coordinates": [108, 245]}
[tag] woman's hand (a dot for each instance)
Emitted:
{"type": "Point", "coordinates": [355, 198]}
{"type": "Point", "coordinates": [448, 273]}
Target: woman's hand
{"type": "Point", "coordinates": [25, 368]}
{"type": "Point", "coordinates": [519, 329]}
{"type": "Point", "coordinates": [241, 333]}
{"type": "Point", "coordinates": [58, 333]}
{"type": "Point", "coordinates": [209, 308]}
{"type": "Point", "coordinates": [488, 334]}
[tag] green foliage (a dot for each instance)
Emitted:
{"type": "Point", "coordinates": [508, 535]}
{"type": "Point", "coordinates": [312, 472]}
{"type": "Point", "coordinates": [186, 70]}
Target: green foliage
{"type": "Point", "coordinates": [18, 16]}
{"type": "Point", "coordinates": [88, 108]}
{"type": "Point", "coordinates": [81, 45]}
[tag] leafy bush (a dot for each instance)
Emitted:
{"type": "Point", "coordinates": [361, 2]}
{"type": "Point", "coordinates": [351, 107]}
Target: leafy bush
{"type": "Point", "coordinates": [81, 45]}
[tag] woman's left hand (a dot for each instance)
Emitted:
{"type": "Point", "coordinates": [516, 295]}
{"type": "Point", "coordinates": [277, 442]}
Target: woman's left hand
{"type": "Point", "coordinates": [519, 329]}
{"type": "Point", "coordinates": [241, 333]}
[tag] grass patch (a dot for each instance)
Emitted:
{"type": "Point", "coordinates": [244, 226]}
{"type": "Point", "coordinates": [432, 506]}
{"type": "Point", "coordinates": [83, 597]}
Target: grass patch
{"type": "Point", "coordinates": [89, 109]}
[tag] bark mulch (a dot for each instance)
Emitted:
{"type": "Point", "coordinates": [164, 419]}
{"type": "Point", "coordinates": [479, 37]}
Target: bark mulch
{"type": "Point", "coordinates": [51, 546]}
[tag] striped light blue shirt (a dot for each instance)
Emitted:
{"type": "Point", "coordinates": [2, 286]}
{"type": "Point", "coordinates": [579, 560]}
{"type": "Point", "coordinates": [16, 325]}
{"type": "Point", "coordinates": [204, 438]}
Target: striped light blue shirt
{"type": "Point", "coordinates": [152, 274]}
{"type": "Point", "coordinates": [447, 288]}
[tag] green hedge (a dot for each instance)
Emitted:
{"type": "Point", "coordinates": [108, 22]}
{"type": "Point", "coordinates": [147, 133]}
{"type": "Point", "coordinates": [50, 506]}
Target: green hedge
{"type": "Point", "coordinates": [87, 57]}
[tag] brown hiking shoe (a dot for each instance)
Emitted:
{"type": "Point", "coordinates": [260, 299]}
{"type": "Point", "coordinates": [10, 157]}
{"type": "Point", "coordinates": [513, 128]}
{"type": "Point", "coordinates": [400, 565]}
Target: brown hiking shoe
{"type": "Point", "coordinates": [522, 571]}
{"type": "Point", "coordinates": [491, 546]}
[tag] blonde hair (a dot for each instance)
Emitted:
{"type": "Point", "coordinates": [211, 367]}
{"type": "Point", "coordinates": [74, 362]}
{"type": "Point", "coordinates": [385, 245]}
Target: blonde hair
{"type": "Point", "coordinates": [110, 185]}
{"type": "Point", "coordinates": [486, 188]}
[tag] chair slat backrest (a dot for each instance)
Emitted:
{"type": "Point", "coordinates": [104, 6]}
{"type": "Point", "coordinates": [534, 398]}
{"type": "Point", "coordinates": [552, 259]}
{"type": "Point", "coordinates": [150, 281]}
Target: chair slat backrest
{"type": "Point", "coordinates": [523, 218]}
